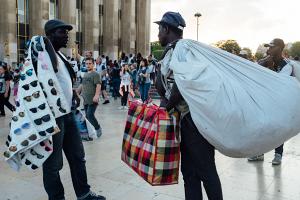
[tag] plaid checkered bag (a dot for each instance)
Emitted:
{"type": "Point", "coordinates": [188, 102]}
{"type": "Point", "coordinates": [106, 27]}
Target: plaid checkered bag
{"type": "Point", "coordinates": [149, 145]}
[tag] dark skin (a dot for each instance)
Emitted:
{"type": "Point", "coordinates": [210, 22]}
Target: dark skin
{"type": "Point", "coordinates": [273, 59]}
{"type": "Point", "coordinates": [59, 38]}
{"type": "Point", "coordinates": [167, 36]}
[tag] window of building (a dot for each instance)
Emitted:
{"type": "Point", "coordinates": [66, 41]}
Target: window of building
{"type": "Point", "coordinates": [22, 27]}
{"type": "Point", "coordinates": [53, 9]}
{"type": "Point", "coordinates": [78, 25]}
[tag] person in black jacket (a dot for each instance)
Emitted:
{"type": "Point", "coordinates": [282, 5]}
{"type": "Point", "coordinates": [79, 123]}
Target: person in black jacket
{"type": "Point", "coordinates": [197, 155]}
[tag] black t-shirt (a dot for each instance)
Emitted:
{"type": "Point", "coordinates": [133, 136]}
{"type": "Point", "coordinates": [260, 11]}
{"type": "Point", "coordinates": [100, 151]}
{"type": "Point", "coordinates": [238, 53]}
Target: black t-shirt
{"type": "Point", "coordinates": [280, 65]}
{"type": "Point", "coordinates": [115, 73]}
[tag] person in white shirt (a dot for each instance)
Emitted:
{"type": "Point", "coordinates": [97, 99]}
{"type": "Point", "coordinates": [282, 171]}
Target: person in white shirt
{"type": "Point", "coordinates": [125, 85]}
{"type": "Point", "coordinates": [68, 139]}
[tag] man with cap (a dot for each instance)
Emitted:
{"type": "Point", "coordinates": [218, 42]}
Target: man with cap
{"type": "Point", "coordinates": [276, 62]}
{"type": "Point", "coordinates": [68, 139]}
{"type": "Point", "coordinates": [197, 155]}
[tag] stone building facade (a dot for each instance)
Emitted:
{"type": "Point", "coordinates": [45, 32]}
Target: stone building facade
{"type": "Point", "coordinates": [103, 26]}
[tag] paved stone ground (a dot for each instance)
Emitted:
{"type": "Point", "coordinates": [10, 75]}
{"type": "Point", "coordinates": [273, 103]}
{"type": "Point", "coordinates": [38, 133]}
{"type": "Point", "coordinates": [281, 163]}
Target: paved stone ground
{"type": "Point", "coordinates": [108, 176]}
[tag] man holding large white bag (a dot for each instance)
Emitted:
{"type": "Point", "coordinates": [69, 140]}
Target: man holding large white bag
{"type": "Point", "coordinates": [239, 107]}
{"type": "Point", "coordinates": [197, 155]}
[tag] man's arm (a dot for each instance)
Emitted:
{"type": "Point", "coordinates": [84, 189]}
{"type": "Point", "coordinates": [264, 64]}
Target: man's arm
{"type": "Point", "coordinates": [97, 81]}
{"type": "Point", "coordinates": [175, 98]}
{"type": "Point", "coordinates": [97, 94]}
{"type": "Point", "coordinates": [6, 88]}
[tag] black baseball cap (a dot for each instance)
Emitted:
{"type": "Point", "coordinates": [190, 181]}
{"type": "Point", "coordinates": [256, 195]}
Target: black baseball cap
{"type": "Point", "coordinates": [173, 19]}
{"type": "Point", "coordinates": [3, 64]}
{"type": "Point", "coordinates": [56, 23]}
{"type": "Point", "coordinates": [276, 42]}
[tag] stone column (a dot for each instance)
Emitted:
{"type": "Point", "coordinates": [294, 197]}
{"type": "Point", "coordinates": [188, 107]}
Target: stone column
{"type": "Point", "coordinates": [111, 28]}
{"type": "Point", "coordinates": [143, 26]}
{"type": "Point", "coordinates": [67, 13]}
{"type": "Point", "coordinates": [8, 33]}
{"type": "Point", "coordinates": [38, 16]}
{"type": "Point", "coordinates": [90, 26]}
{"type": "Point", "coordinates": [128, 26]}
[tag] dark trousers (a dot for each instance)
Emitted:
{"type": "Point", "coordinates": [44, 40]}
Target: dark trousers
{"type": "Point", "coordinates": [116, 86]}
{"type": "Point", "coordinates": [125, 95]}
{"type": "Point", "coordinates": [68, 140]}
{"type": "Point", "coordinates": [90, 115]}
{"type": "Point", "coordinates": [2, 103]}
{"type": "Point", "coordinates": [8, 104]}
{"type": "Point", "coordinates": [279, 149]}
{"type": "Point", "coordinates": [198, 163]}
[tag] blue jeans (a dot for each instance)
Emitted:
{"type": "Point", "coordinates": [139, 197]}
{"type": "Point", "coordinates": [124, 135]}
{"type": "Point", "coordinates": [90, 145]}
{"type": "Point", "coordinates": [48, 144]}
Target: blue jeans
{"type": "Point", "coordinates": [144, 90]}
{"type": "Point", "coordinates": [68, 139]}
{"type": "Point", "coordinates": [90, 115]}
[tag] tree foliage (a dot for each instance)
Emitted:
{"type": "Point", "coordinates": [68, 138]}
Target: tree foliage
{"type": "Point", "coordinates": [295, 49]}
{"type": "Point", "coordinates": [230, 46]}
{"type": "Point", "coordinates": [156, 49]}
{"type": "Point", "coordinates": [258, 56]}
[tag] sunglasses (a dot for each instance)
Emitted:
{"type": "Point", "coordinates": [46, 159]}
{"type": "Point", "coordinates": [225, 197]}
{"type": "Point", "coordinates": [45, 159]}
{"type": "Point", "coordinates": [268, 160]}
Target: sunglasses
{"type": "Point", "coordinates": [13, 148]}
{"type": "Point", "coordinates": [41, 107]}
{"type": "Point", "coordinates": [58, 103]}
{"type": "Point", "coordinates": [18, 131]}
{"type": "Point", "coordinates": [43, 144]}
{"type": "Point", "coordinates": [48, 130]}
{"type": "Point", "coordinates": [6, 154]}
{"type": "Point", "coordinates": [32, 137]}
{"type": "Point", "coordinates": [33, 166]}
{"type": "Point", "coordinates": [34, 153]}
{"type": "Point", "coordinates": [35, 95]}
{"type": "Point", "coordinates": [45, 118]}
{"type": "Point", "coordinates": [26, 86]}
{"type": "Point", "coordinates": [28, 73]}
{"type": "Point", "coordinates": [15, 118]}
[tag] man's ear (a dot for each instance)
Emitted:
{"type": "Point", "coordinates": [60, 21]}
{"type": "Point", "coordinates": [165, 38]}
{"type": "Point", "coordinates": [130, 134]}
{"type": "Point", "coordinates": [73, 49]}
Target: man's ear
{"type": "Point", "coordinates": [166, 29]}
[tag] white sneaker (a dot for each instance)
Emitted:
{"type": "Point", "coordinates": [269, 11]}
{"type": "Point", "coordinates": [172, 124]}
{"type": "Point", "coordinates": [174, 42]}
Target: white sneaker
{"type": "Point", "coordinates": [256, 158]}
{"type": "Point", "coordinates": [121, 107]}
{"type": "Point", "coordinates": [125, 107]}
{"type": "Point", "coordinates": [277, 159]}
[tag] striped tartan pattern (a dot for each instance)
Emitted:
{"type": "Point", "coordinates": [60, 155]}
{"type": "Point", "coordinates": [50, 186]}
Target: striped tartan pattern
{"type": "Point", "coordinates": [149, 144]}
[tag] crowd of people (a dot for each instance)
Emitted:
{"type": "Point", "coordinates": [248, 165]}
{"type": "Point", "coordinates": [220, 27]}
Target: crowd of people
{"type": "Point", "coordinates": [129, 76]}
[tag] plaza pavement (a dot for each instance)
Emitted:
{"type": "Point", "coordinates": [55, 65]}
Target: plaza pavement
{"type": "Point", "coordinates": [110, 177]}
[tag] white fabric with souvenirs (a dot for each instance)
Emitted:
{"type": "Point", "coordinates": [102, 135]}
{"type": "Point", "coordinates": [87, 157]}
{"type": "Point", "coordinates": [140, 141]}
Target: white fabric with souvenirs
{"type": "Point", "coordinates": [38, 102]}
{"type": "Point", "coordinates": [241, 108]}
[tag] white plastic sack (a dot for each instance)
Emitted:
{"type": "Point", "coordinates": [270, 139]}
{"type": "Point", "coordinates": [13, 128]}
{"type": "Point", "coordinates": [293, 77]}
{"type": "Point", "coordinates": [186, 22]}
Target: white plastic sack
{"type": "Point", "coordinates": [90, 128]}
{"type": "Point", "coordinates": [241, 108]}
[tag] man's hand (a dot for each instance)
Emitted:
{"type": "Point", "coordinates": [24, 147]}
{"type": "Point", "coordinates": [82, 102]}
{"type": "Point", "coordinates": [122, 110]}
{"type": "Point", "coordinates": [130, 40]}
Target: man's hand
{"type": "Point", "coordinates": [96, 99]}
{"type": "Point", "coordinates": [6, 94]}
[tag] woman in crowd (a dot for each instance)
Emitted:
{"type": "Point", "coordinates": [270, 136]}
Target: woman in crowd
{"type": "Point", "coordinates": [125, 85]}
{"type": "Point", "coordinates": [144, 79]}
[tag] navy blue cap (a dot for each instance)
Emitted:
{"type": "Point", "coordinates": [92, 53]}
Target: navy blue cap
{"type": "Point", "coordinates": [173, 19]}
{"type": "Point", "coordinates": [56, 23]}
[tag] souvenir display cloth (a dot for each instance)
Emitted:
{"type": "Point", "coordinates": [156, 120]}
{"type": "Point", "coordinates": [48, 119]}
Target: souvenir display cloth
{"type": "Point", "coordinates": [38, 102]}
{"type": "Point", "coordinates": [240, 107]}
{"type": "Point", "coordinates": [149, 146]}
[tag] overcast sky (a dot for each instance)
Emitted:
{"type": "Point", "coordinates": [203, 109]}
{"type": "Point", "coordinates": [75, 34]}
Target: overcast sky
{"type": "Point", "coordinates": [250, 22]}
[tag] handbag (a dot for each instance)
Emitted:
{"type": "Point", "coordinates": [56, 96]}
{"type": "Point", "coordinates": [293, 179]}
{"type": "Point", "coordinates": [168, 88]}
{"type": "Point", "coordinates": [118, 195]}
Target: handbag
{"type": "Point", "coordinates": [149, 144]}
